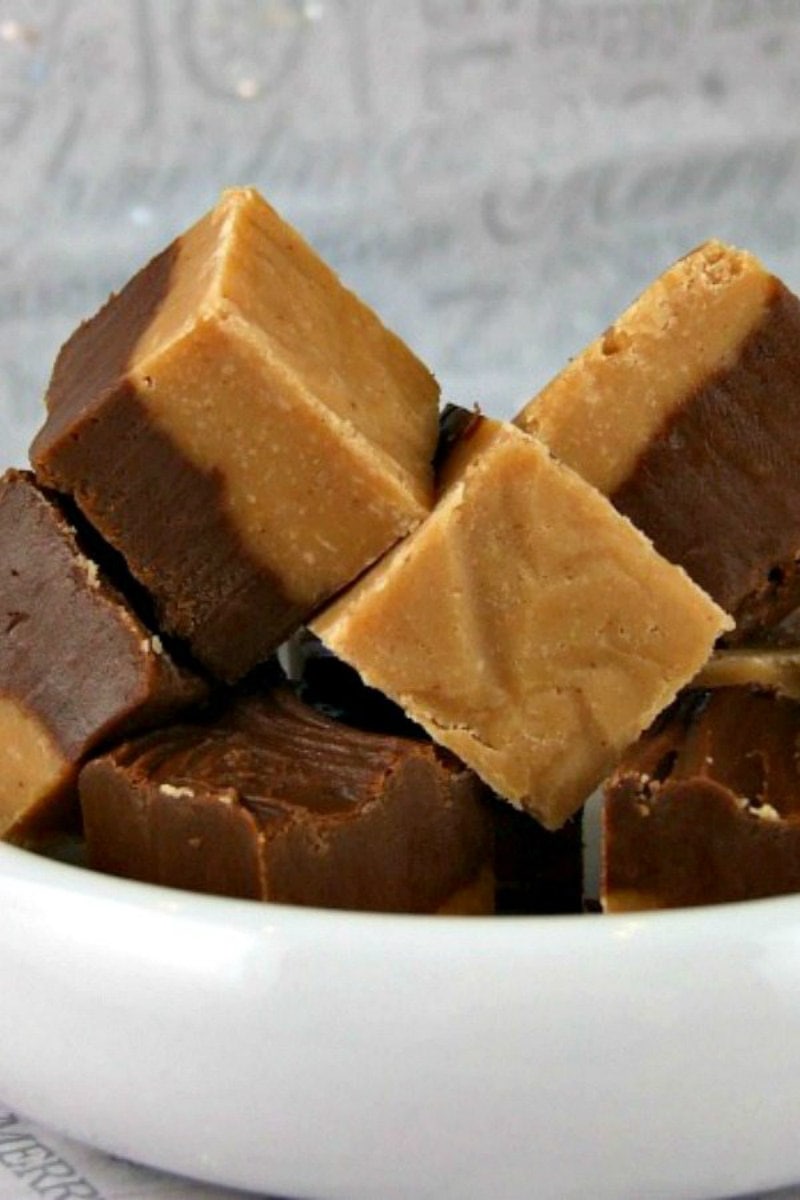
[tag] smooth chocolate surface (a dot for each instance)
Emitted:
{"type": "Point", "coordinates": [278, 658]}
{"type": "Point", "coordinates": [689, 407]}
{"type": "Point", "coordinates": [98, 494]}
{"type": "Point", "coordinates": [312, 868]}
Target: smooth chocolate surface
{"type": "Point", "coordinates": [170, 517]}
{"type": "Point", "coordinates": [716, 490]}
{"type": "Point", "coordinates": [77, 665]}
{"type": "Point", "coordinates": [272, 800]}
{"type": "Point", "coordinates": [101, 445]}
{"type": "Point", "coordinates": [706, 808]}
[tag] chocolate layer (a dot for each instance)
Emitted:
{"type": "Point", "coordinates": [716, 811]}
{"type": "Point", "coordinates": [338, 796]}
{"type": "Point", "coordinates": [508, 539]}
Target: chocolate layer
{"type": "Point", "coordinates": [715, 489]}
{"type": "Point", "coordinates": [456, 424]}
{"type": "Point", "coordinates": [94, 359]}
{"type": "Point", "coordinates": [537, 870]}
{"type": "Point", "coordinates": [74, 657]}
{"type": "Point", "coordinates": [169, 518]}
{"type": "Point", "coordinates": [272, 800]}
{"type": "Point", "coordinates": [706, 808]}
{"type": "Point", "coordinates": [146, 497]}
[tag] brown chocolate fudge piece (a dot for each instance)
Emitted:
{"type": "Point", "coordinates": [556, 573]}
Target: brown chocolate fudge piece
{"type": "Point", "coordinates": [77, 665]}
{"type": "Point", "coordinates": [706, 809]}
{"type": "Point", "coordinates": [525, 624]}
{"type": "Point", "coordinates": [686, 414]}
{"type": "Point", "coordinates": [243, 430]}
{"type": "Point", "coordinates": [272, 800]}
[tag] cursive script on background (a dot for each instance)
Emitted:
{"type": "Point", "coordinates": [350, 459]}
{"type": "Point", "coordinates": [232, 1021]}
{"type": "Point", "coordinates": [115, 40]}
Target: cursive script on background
{"type": "Point", "coordinates": [497, 178]}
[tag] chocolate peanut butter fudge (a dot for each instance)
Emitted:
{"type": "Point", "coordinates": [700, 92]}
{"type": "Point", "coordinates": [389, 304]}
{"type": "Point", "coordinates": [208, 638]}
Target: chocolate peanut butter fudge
{"type": "Point", "coordinates": [685, 413]}
{"type": "Point", "coordinates": [243, 430]}
{"type": "Point", "coordinates": [273, 800]}
{"type": "Point", "coordinates": [525, 625]}
{"type": "Point", "coordinates": [77, 665]}
{"type": "Point", "coordinates": [706, 808]}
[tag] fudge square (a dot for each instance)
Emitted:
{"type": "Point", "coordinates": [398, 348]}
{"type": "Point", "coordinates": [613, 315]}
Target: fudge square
{"type": "Point", "coordinates": [272, 800]}
{"type": "Point", "coordinates": [76, 663]}
{"type": "Point", "coordinates": [706, 808]}
{"type": "Point", "coordinates": [685, 413]}
{"type": "Point", "coordinates": [243, 430]}
{"type": "Point", "coordinates": [525, 624]}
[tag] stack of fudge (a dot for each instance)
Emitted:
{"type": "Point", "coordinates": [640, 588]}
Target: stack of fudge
{"type": "Point", "coordinates": [498, 616]}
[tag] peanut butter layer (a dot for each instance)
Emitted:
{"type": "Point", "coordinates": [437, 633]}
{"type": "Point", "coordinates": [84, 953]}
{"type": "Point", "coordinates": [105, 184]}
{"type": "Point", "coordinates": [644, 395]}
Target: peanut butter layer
{"type": "Point", "coordinates": [476, 899]}
{"type": "Point", "coordinates": [243, 429]}
{"type": "Point", "coordinates": [685, 413]}
{"type": "Point", "coordinates": [272, 800]}
{"type": "Point", "coordinates": [775, 669]}
{"type": "Point", "coordinates": [706, 808]}
{"type": "Point", "coordinates": [525, 624]}
{"type": "Point", "coordinates": [77, 666]}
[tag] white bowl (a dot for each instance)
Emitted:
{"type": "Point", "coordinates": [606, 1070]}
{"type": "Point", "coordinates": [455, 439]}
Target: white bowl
{"type": "Point", "coordinates": [340, 1056]}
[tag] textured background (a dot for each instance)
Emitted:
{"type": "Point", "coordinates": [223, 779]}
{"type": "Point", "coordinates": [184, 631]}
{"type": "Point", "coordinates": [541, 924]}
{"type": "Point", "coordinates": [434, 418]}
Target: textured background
{"type": "Point", "coordinates": [498, 177]}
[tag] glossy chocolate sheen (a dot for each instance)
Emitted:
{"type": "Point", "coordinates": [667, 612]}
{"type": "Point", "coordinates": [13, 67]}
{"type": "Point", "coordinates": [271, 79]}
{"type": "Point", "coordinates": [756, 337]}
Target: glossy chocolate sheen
{"type": "Point", "coordinates": [707, 808]}
{"type": "Point", "coordinates": [716, 491]}
{"type": "Point", "coordinates": [140, 491]}
{"type": "Point", "coordinates": [272, 800]}
{"type": "Point", "coordinates": [73, 654]}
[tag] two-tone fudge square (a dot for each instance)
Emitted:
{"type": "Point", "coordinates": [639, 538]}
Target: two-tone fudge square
{"type": "Point", "coordinates": [525, 625]}
{"type": "Point", "coordinates": [685, 413]}
{"type": "Point", "coordinates": [243, 430]}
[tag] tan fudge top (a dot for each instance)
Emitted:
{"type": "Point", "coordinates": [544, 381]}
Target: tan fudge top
{"type": "Point", "coordinates": [525, 624]}
{"type": "Point", "coordinates": [325, 361]}
{"type": "Point", "coordinates": [604, 408]}
{"type": "Point", "coordinates": [242, 263]}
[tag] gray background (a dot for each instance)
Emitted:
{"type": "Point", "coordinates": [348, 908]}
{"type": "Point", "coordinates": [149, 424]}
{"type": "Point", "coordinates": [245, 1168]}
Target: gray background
{"type": "Point", "coordinates": [497, 178]}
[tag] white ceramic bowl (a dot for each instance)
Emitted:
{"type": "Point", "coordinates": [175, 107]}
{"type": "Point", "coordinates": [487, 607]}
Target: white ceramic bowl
{"type": "Point", "coordinates": [338, 1056]}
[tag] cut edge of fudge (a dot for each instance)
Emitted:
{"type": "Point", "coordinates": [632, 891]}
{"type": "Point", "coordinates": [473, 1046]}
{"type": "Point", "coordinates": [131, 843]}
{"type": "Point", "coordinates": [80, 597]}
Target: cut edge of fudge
{"type": "Point", "coordinates": [399, 623]}
{"type": "Point", "coordinates": [59, 699]}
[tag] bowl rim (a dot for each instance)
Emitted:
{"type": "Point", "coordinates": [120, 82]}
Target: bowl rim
{"type": "Point", "coordinates": [25, 867]}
